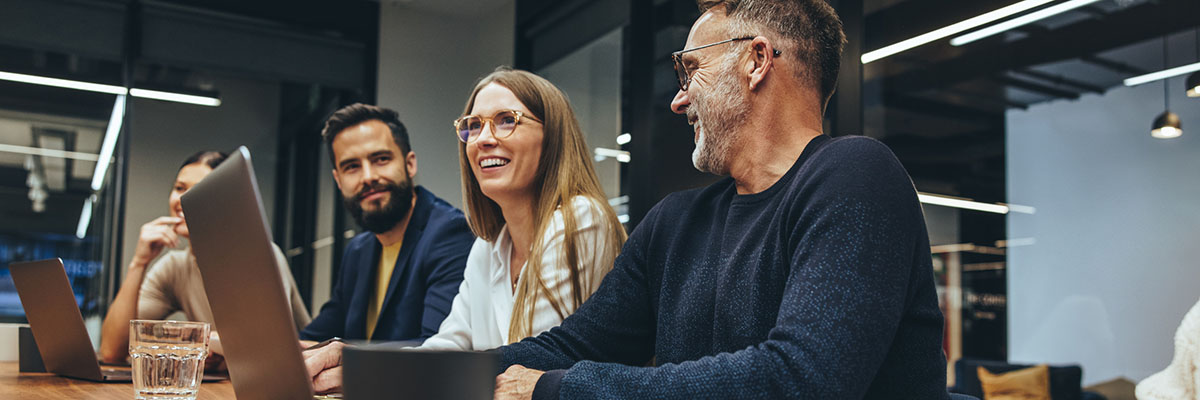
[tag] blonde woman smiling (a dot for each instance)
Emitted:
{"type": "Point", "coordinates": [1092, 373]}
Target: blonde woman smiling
{"type": "Point", "coordinates": [546, 233]}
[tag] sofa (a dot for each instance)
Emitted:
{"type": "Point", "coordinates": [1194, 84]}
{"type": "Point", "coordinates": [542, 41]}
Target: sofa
{"type": "Point", "coordinates": [1065, 381]}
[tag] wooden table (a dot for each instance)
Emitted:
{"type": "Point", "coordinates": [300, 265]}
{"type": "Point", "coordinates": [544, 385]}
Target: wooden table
{"type": "Point", "coordinates": [38, 386]}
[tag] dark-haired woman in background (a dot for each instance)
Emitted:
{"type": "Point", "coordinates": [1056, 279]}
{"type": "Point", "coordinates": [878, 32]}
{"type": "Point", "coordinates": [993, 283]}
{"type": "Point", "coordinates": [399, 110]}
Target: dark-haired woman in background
{"type": "Point", "coordinates": [172, 282]}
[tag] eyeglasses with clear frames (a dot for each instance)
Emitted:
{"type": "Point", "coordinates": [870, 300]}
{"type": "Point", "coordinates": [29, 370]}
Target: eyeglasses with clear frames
{"type": "Point", "coordinates": [681, 70]}
{"type": "Point", "coordinates": [504, 122]}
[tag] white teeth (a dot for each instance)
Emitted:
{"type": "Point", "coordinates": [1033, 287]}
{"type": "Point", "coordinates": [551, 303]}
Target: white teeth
{"type": "Point", "coordinates": [492, 162]}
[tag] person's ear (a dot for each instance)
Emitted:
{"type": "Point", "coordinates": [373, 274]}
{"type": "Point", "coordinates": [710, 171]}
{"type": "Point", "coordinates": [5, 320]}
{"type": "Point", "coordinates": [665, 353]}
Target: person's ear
{"type": "Point", "coordinates": [337, 178]}
{"type": "Point", "coordinates": [762, 59]}
{"type": "Point", "coordinates": [410, 161]}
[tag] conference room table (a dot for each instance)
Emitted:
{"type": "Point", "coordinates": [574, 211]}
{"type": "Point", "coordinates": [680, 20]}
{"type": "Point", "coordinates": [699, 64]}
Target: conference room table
{"type": "Point", "coordinates": [39, 386]}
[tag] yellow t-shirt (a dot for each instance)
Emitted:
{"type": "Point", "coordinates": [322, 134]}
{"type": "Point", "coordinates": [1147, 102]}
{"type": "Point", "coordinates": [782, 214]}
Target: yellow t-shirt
{"type": "Point", "coordinates": [387, 263]}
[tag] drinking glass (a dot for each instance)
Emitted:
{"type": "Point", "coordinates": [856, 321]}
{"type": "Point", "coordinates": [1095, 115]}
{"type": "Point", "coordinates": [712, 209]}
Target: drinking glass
{"type": "Point", "coordinates": [168, 358]}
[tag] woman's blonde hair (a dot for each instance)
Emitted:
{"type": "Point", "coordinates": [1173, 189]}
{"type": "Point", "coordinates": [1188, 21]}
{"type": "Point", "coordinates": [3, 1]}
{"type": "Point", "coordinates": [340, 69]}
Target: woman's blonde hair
{"type": "Point", "coordinates": [564, 172]}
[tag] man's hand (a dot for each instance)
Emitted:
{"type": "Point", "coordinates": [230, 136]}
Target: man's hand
{"type": "Point", "coordinates": [325, 367]}
{"type": "Point", "coordinates": [517, 383]}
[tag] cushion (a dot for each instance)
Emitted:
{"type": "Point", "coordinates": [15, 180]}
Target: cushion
{"type": "Point", "coordinates": [1064, 380]}
{"type": "Point", "coordinates": [1031, 383]}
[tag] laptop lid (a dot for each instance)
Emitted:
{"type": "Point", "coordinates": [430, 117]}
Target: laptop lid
{"type": "Point", "coordinates": [54, 318]}
{"type": "Point", "coordinates": [232, 244]}
{"type": "Point", "coordinates": [382, 371]}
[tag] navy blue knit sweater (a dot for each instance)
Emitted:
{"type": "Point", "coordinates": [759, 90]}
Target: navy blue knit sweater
{"type": "Point", "coordinates": [820, 287]}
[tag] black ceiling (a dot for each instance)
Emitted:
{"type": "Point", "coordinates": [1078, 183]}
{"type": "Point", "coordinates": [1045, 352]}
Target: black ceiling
{"type": "Point", "coordinates": [353, 19]}
{"type": "Point", "coordinates": [941, 108]}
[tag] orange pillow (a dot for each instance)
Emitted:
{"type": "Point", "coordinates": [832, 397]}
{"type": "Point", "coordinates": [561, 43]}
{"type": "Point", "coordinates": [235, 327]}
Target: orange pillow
{"type": "Point", "coordinates": [1031, 383]}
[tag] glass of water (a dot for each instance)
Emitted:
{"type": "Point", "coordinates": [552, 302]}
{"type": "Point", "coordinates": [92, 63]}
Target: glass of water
{"type": "Point", "coordinates": [168, 358]}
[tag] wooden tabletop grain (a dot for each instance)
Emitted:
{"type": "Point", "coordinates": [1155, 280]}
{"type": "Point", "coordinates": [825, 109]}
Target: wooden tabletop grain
{"type": "Point", "coordinates": [38, 386]}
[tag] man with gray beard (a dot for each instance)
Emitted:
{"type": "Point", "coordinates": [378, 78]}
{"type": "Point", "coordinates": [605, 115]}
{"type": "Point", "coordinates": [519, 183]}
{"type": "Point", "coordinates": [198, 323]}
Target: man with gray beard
{"type": "Point", "coordinates": [805, 274]}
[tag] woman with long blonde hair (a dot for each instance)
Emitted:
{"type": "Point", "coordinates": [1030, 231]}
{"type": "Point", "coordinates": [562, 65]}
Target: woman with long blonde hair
{"type": "Point", "coordinates": [546, 233]}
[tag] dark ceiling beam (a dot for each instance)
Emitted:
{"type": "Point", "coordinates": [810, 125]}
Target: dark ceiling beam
{"type": "Point", "coordinates": [1032, 29]}
{"type": "Point", "coordinates": [1084, 38]}
{"type": "Point", "coordinates": [1115, 66]}
{"type": "Point", "coordinates": [968, 148]}
{"type": "Point", "coordinates": [1095, 12]}
{"type": "Point", "coordinates": [942, 109]}
{"type": "Point", "coordinates": [1060, 80]}
{"type": "Point", "coordinates": [1035, 87]}
{"type": "Point", "coordinates": [998, 100]}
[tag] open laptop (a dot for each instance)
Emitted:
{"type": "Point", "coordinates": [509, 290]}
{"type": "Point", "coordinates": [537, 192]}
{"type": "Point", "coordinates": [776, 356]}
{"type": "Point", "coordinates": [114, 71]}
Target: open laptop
{"type": "Point", "coordinates": [232, 244]}
{"type": "Point", "coordinates": [57, 324]}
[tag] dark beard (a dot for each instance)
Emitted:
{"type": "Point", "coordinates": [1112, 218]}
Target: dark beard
{"type": "Point", "coordinates": [390, 214]}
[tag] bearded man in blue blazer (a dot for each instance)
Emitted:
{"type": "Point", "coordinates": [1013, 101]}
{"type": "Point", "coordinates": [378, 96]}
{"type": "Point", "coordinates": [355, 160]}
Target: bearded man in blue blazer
{"type": "Point", "coordinates": [399, 278]}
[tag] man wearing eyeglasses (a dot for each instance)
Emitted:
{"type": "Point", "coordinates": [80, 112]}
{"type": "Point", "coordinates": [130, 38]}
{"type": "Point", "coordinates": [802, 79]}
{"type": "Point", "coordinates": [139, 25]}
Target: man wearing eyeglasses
{"type": "Point", "coordinates": [805, 274]}
{"type": "Point", "coordinates": [398, 278]}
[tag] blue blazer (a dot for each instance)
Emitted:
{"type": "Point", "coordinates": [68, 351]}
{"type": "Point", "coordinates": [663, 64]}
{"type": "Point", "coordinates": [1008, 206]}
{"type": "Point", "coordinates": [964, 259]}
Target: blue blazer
{"type": "Point", "coordinates": [424, 281]}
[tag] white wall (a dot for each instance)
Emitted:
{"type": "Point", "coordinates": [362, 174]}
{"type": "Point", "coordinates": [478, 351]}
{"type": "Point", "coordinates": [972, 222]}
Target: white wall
{"type": "Point", "coordinates": [1115, 264]}
{"type": "Point", "coordinates": [428, 64]}
{"type": "Point", "coordinates": [166, 133]}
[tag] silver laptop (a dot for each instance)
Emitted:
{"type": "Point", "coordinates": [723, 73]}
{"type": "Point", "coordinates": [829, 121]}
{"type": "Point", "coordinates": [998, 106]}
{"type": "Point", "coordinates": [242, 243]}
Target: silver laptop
{"type": "Point", "coordinates": [232, 244]}
{"type": "Point", "coordinates": [56, 322]}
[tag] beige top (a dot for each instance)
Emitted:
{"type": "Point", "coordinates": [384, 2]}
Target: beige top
{"type": "Point", "coordinates": [173, 283]}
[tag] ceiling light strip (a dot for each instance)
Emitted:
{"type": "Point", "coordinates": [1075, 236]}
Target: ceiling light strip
{"type": "Point", "coordinates": [1020, 21]}
{"type": "Point", "coordinates": [620, 155]}
{"type": "Point", "coordinates": [1164, 74]}
{"type": "Point", "coordinates": [110, 142]}
{"type": "Point", "coordinates": [85, 217]}
{"type": "Point", "coordinates": [939, 200]}
{"type": "Point", "coordinates": [176, 97]}
{"type": "Point", "coordinates": [951, 30]}
{"type": "Point", "coordinates": [624, 138]}
{"type": "Point", "coordinates": [110, 89]}
{"type": "Point", "coordinates": [36, 151]}
{"type": "Point", "coordinates": [62, 83]}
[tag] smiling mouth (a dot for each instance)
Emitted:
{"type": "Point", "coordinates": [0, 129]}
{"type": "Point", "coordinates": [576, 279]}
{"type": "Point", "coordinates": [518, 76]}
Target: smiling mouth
{"type": "Point", "coordinates": [366, 195]}
{"type": "Point", "coordinates": [492, 162]}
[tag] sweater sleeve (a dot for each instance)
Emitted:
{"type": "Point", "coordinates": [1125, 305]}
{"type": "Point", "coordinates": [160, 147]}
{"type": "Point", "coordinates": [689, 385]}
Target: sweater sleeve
{"type": "Point", "coordinates": [842, 302]}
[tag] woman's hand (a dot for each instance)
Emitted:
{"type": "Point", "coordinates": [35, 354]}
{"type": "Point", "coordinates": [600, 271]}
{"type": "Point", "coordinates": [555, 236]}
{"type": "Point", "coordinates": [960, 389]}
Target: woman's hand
{"type": "Point", "coordinates": [156, 236]}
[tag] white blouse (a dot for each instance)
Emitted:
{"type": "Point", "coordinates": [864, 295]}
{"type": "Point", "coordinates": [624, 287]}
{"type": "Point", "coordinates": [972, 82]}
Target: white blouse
{"type": "Point", "coordinates": [479, 318]}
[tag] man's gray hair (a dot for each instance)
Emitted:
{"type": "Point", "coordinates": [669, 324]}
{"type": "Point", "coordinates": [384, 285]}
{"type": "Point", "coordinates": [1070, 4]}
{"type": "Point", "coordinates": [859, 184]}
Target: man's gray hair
{"type": "Point", "coordinates": [811, 28]}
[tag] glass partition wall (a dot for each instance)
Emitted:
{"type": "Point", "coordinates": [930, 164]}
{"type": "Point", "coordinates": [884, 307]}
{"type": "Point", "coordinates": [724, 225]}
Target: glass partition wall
{"type": "Point", "coordinates": [99, 108]}
{"type": "Point", "coordinates": [591, 78]}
